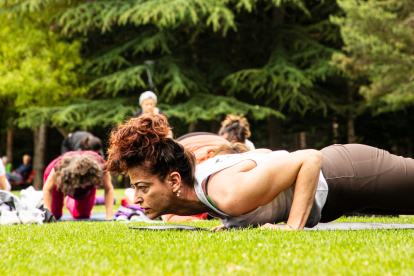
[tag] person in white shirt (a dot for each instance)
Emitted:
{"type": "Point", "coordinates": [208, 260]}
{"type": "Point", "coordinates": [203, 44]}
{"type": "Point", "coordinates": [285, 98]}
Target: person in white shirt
{"type": "Point", "coordinates": [236, 129]}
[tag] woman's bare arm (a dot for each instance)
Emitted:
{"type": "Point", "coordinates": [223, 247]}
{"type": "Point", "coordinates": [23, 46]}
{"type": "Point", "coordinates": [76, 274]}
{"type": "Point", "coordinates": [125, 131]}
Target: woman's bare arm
{"type": "Point", "coordinates": [249, 186]}
{"type": "Point", "coordinates": [3, 184]}
{"type": "Point", "coordinates": [48, 188]}
{"type": "Point", "coordinates": [109, 195]}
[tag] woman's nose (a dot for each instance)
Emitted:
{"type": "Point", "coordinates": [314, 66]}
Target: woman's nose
{"type": "Point", "coordinates": [137, 199]}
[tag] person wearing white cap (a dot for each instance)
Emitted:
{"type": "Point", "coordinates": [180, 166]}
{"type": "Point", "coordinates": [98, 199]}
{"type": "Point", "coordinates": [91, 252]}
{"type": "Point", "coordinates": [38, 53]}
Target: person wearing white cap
{"type": "Point", "coordinates": [148, 102]}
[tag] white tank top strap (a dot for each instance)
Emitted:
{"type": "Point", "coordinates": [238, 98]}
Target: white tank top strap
{"type": "Point", "coordinates": [200, 194]}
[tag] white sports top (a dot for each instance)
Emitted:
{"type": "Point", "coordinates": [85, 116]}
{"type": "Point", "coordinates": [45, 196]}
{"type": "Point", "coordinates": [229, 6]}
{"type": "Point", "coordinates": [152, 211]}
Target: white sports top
{"type": "Point", "coordinates": [274, 212]}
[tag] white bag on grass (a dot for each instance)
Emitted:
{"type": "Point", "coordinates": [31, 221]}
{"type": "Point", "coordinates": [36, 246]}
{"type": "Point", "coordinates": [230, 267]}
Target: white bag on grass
{"type": "Point", "coordinates": [31, 197]}
{"type": "Point", "coordinates": [13, 211]}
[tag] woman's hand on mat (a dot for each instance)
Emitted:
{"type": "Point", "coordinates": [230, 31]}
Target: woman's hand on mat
{"type": "Point", "coordinates": [285, 227]}
{"type": "Point", "coordinates": [219, 228]}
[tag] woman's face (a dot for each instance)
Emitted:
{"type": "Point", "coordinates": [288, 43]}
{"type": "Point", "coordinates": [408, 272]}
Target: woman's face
{"type": "Point", "coordinates": [153, 195]}
{"type": "Point", "coordinates": [148, 106]}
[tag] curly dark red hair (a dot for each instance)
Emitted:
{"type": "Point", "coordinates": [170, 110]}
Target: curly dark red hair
{"type": "Point", "coordinates": [143, 142]}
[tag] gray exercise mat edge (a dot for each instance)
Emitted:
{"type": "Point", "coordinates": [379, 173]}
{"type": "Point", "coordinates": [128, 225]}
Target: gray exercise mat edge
{"type": "Point", "coordinates": [332, 226]}
{"type": "Point", "coordinates": [359, 226]}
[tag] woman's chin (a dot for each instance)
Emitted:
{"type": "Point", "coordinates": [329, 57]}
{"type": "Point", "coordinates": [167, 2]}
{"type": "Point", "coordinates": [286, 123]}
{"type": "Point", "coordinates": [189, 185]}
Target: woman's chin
{"type": "Point", "coordinates": [152, 216]}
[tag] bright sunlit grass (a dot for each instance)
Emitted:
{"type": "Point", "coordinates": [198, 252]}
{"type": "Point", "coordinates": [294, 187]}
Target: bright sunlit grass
{"type": "Point", "coordinates": [110, 248]}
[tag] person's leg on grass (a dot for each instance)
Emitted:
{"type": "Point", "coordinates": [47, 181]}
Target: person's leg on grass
{"type": "Point", "coordinates": [14, 177]}
{"type": "Point", "coordinates": [81, 209]}
{"type": "Point", "coordinates": [57, 203]}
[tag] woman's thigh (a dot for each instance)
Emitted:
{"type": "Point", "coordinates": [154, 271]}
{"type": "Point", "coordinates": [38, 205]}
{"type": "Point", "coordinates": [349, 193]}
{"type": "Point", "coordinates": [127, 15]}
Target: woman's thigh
{"type": "Point", "coordinates": [57, 203]}
{"type": "Point", "coordinates": [81, 209]}
{"type": "Point", "coordinates": [363, 178]}
{"type": "Point", "coordinates": [384, 181]}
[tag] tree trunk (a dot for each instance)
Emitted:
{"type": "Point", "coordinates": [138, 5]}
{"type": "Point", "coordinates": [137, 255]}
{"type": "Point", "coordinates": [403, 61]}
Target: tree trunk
{"type": "Point", "coordinates": [274, 125]}
{"type": "Point", "coordinates": [192, 127]}
{"type": "Point", "coordinates": [9, 151]}
{"type": "Point", "coordinates": [126, 182]}
{"type": "Point", "coordinates": [335, 127]}
{"type": "Point", "coordinates": [114, 180]}
{"type": "Point", "coordinates": [39, 156]}
{"type": "Point", "coordinates": [215, 126]}
{"type": "Point", "coordinates": [302, 140]}
{"type": "Point", "coordinates": [350, 119]}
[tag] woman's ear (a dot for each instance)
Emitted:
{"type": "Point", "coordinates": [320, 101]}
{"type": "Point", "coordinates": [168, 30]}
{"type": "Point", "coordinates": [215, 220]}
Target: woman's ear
{"type": "Point", "coordinates": [175, 182]}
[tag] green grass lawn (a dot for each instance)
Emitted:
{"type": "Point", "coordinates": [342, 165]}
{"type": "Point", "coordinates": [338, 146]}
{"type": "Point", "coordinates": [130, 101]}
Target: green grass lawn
{"type": "Point", "coordinates": [110, 248]}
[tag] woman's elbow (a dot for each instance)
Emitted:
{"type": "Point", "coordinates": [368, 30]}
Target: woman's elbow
{"type": "Point", "coordinates": [315, 156]}
{"type": "Point", "coordinates": [109, 189]}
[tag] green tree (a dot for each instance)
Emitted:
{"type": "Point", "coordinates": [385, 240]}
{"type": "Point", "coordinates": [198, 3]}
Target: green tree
{"type": "Point", "coordinates": [257, 57]}
{"type": "Point", "coordinates": [37, 68]}
{"type": "Point", "coordinates": [379, 51]}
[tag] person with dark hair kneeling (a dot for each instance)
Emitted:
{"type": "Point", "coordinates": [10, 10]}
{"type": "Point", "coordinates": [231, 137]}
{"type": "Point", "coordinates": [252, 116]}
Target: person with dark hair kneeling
{"type": "Point", "coordinates": [76, 175]}
{"type": "Point", "coordinates": [81, 141]}
{"type": "Point", "coordinates": [251, 189]}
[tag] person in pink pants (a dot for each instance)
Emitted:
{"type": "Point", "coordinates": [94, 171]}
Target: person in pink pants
{"type": "Point", "coordinates": [76, 175]}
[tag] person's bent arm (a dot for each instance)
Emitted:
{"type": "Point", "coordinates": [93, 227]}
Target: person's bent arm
{"type": "Point", "coordinates": [3, 183]}
{"type": "Point", "coordinates": [252, 186]}
{"type": "Point", "coordinates": [109, 195]}
{"type": "Point", "coordinates": [48, 188]}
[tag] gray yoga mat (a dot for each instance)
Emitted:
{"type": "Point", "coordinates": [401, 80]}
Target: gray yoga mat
{"type": "Point", "coordinates": [359, 226]}
{"type": "Point", "coordinates": [320, 227]}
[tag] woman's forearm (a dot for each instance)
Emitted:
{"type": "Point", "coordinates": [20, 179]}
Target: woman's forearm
{"type": "Point", "coordinates": [109, 203]}
{"type": "Point", "coordinates": [47, 199]}
{"type": "Point", "coordinates": [305, 189]}
{"type": "Point", "coordinates": [3, 184]}
{"type": "Point", "coordinates": [48, 188]}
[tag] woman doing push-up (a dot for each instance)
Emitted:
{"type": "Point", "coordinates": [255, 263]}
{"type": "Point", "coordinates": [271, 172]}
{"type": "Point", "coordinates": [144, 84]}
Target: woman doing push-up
{"type": "Point", "coordinates": [300, 188]}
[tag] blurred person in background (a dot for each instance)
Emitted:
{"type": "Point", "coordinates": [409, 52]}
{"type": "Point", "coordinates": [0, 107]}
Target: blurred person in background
{"type": "Point", "coordinates": [23, 172]}
{"type": "Point", "coordinates": [81, 141]}
{"type": "Point", "coordinates": [148, 102]}
{"type": "Point", "coordinates": [76, 175]}
{"type": "Point", "coordinates": [8, 166]}
{"type": "Point", "coordinates": [236, 129]}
